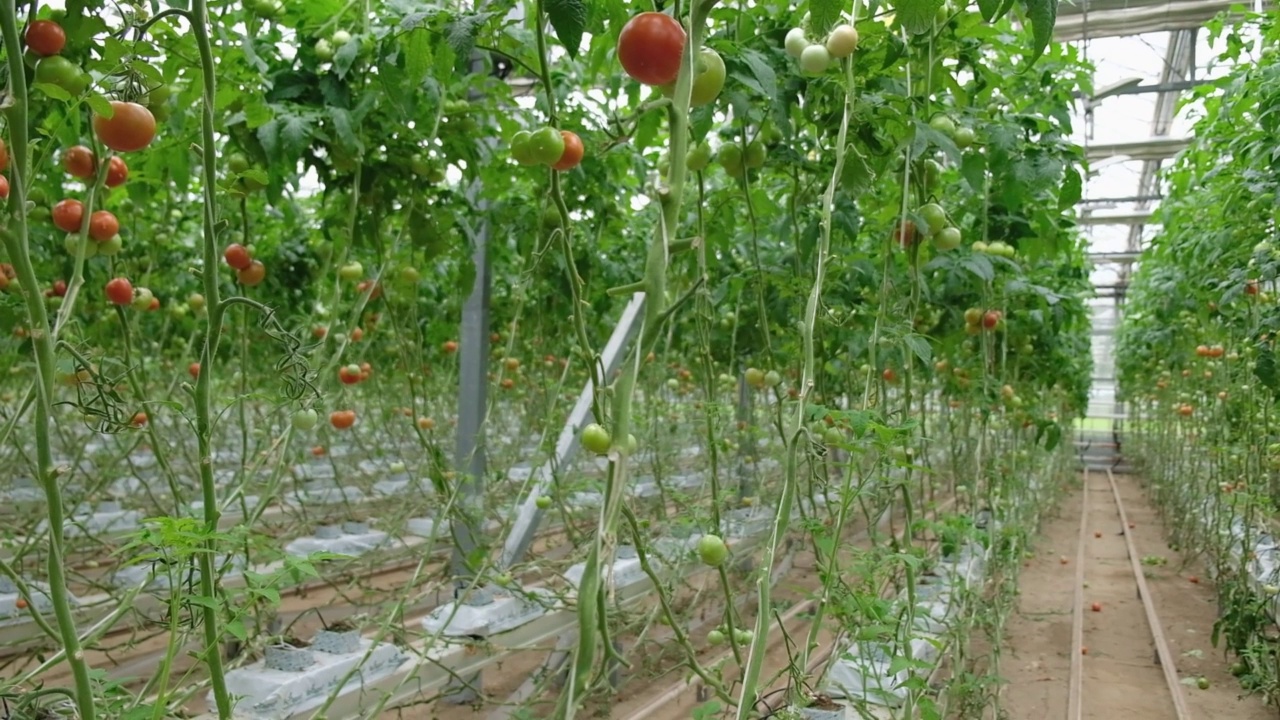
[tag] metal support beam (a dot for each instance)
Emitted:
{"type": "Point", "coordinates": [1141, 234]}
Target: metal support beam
{"type": "Point", "coordinates": [1137, 218]}
{"type": "Point", "coordinates": [1156, 148]}
{"type": "Point", "coordinates": [473, 401]}
{"type": "Point", "coordinates": [1117, 200]}
{"type": "Point", "coordinates": [1138, 17]}
{"type": "Point", "coordinates": [1112, 258]}
{"type": "Point", "coordinates": [530, 515]}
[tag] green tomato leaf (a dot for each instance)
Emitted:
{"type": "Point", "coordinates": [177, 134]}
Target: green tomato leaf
{"type": "Point", "coordinates": [979, 265]}
{"type": "Point", "coordinates": [1072, 189]}
{"type": "Point", "coordinates": [856, 176]}
{"type": "Point", "coordinates": [346, 56]}
{"type": "Point", "coordinates": [461, 35]}
{"type": "Point", "coordinates": [568, 18]}
{"type": "Point", "coordinates": [919, 345]}
{"type": "Point", "coordinates": [823, 14]}
{"type": "Point", "coordinates": [417, 54]}
{"type": "Point", "coordinates": [54, 91]}
{"type": "Point", "coordinates": [990, 9]}
{"type": "Point", "coordinates": [762, 77]}
{"type": "Point", "coordinates": [100, 105]}
{"type": "Point", "coordinates": [974, 170]}
{"type": "Point", "coordinates": [1043, 15]}
{"type": "Point", "coordinates": [917, 16]}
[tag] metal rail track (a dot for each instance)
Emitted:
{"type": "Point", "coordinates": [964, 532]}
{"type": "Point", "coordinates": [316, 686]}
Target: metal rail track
{"type": "Point", "coordinates": [1075, 692]}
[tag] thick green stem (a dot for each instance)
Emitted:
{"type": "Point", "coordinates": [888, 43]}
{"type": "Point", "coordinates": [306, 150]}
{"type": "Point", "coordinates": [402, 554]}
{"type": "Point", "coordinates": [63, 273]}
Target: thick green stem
{"type": "Point", "coordinates": [199, 18]}
{"type": "Point", "coordinates": [795, 435]}
{"type": "Point", "coordinates": [16, 243]}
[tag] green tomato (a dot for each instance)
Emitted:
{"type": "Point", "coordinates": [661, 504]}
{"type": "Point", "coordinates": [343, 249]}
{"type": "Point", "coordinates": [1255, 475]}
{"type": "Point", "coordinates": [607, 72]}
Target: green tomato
{"type": "Point", "coordinates": [715, 637]}
{"type": "Point", "coordinates": [269, 8]}
{"type": "Point", "coordinates": [72, 246]}
{"type": "Point", "coordinates": [551, 217]}
{"type": "Point", "coordinates": [111, 246]}
{"type": "Point", "coordinates": [196, 301]}
{"type": "Point", "coordinates": [934, 216]}
{"type": "Point", "coordinates": [632, 444]}
{"type": "Point", "coordinates": [944, 125]}
{"type": "Point", "coordinates": [815, 60]}
{"type": "Point", "coordinates": [543, 502]}
{"type": "Point", "coordinates": [698, 157]}
{"type": "Point", "coordinates": [596, 439]}
{"type": "Point", "coordinates": [708, 81]}
{"type": "Point", "coordinates": [730, 158]}
{"type": "Point", "coordinates": [351, 272]}
{"type": "Point", "coordinates": [964, 137]}
{"type": "Point", "coordinates": [712, 550]}
{"type": "Point", "coordinates": [304, 420]}
{"type": "Point", "coordinates": [832, 436]}
{"type": "Point", "coordinates": [773, 378]}
{"type": "Point", "coordinates": [742, 636]}
{"type": "Point", "coordinates": [754, 377]}
{"type": "Point", "coordinates": [1202, 682]}
{"type": "Point", "coordinates": [948, 239]}
{"type": "Point", "coordinates": [409, 275]}
{"type": "Point", "coordinates": [61, 72]}
{"type": "Point", "coordinates": [38, 196]}
{"type": "Point", "coordinates": [930, 171]}
{"type": "Point", "coordinates": [340, 38]}
{"type": "Point", "coordinates": [141, 298]}
{"type": "Point", "coordinates": [324, 50]}
{"type": "Point", "coordinates": [755, 154]}
{"type": "Point", "coordinates": [546, 145]}
{"type": "Point", "coordinates": [795, 42]}
{"type": "Point", "coordinates": [237, 163]}
{"type": "Point", "coordinates": [522, 148]}
{"type": "Point", "coordinates": [842, 41]}
{"type": "Point", "coordinates": [981, 247]}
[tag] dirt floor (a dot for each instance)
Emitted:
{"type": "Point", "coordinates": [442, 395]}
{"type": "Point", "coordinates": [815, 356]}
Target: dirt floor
{"type": "Point", "coordinates": [1121, 678]}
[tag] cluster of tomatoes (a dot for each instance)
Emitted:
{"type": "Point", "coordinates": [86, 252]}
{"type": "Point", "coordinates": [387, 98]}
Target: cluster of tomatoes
{"type": "Point", "coordinates": [249, 272]}
{"type": "Point", "coordinates": [1209, 351]}
{"type": "Point", "coordinates": [558, 149]}
{"type": "Point", "coordinates": [120, 291]}
{"type": "Point", "coordinates": [353, 373]}
{"type": "Point", "coordinates": [975, 320]}
{"type": "Point", "coordinates": [816, 58]}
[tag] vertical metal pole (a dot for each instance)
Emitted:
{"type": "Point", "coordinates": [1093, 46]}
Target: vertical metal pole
{"type": "Point", "coordinates": [473, 395]}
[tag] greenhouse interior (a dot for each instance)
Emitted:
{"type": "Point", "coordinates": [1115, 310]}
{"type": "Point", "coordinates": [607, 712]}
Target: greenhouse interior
{"type": "Point", "coordinates": [514, 359]}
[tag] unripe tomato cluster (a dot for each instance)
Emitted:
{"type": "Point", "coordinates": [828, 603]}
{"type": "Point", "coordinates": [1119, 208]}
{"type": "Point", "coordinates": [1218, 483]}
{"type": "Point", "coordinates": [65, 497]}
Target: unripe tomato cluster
{"type": "Point", "coordinates": [558, 149]}
{"type": "Point", "coordinates": [997, 248]}
{"type": "Point", "coordinates": [120, 291]}
{"type": "Point", "coordinates": [817, 58]}
{"type": "Point", "coordinates": [938, 226]}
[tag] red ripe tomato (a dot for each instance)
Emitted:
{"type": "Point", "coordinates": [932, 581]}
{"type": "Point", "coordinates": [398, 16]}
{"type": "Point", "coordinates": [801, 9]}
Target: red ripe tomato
{"type": "Point", "coordinates": [650, 48]}
{"type": "Point", "coordinates": [117, 171]}
{"type": "Point", "coordinates": [4, 156]}
{"type": "Point", "coordinates": [4, 187]}
{"type": "Point", "coordinates": [357, 335]}
{"type": "Point", "coordinates": [103, 225]}
{"type": "Point", "coordinates": [46, 37]}
{"type": "Point", "coordinates": [67, 215]}
{"type": "Point", "coordinates": [139, 419]}
{"type": "Point", "coordinates": [237, 256]}
{"type": "Point", "coordinates": [889, 375]}
{"type": "Point", "coordinates": [366, 370]}
{"type": "Point", "coordinates": [1202, 351]}
{"type": "Point", "coordinates": [450, 347]}
{"type": "Point", "coordinates": [79, 162]}
{"type": "Point", "coordinates": [1251, 287]}
{"type": "Point", "coordinates": [318, 332]}
{"type": "Point", "coordinates": [154, 304]}
{"type": "Point", "coordinates": [59, 288]}
{"type": "Point", "coordinates": [573, 151]}
{"type": "Point", "coordinates": [131, 127]}
{"type": "Point", "coordinates": [120, 291]}
{"type": "Point", "coordinates": [342, 419]}
{"type": "Point", "coordinates": [252, 275]}
{"type": "Point", "coordinates": [906, 233]}
{"type": "Point", "coordinates": [194, 369]}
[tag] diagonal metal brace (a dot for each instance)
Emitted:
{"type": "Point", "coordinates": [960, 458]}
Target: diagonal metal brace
{"type": "Point", "coordinates": [530, 515]}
